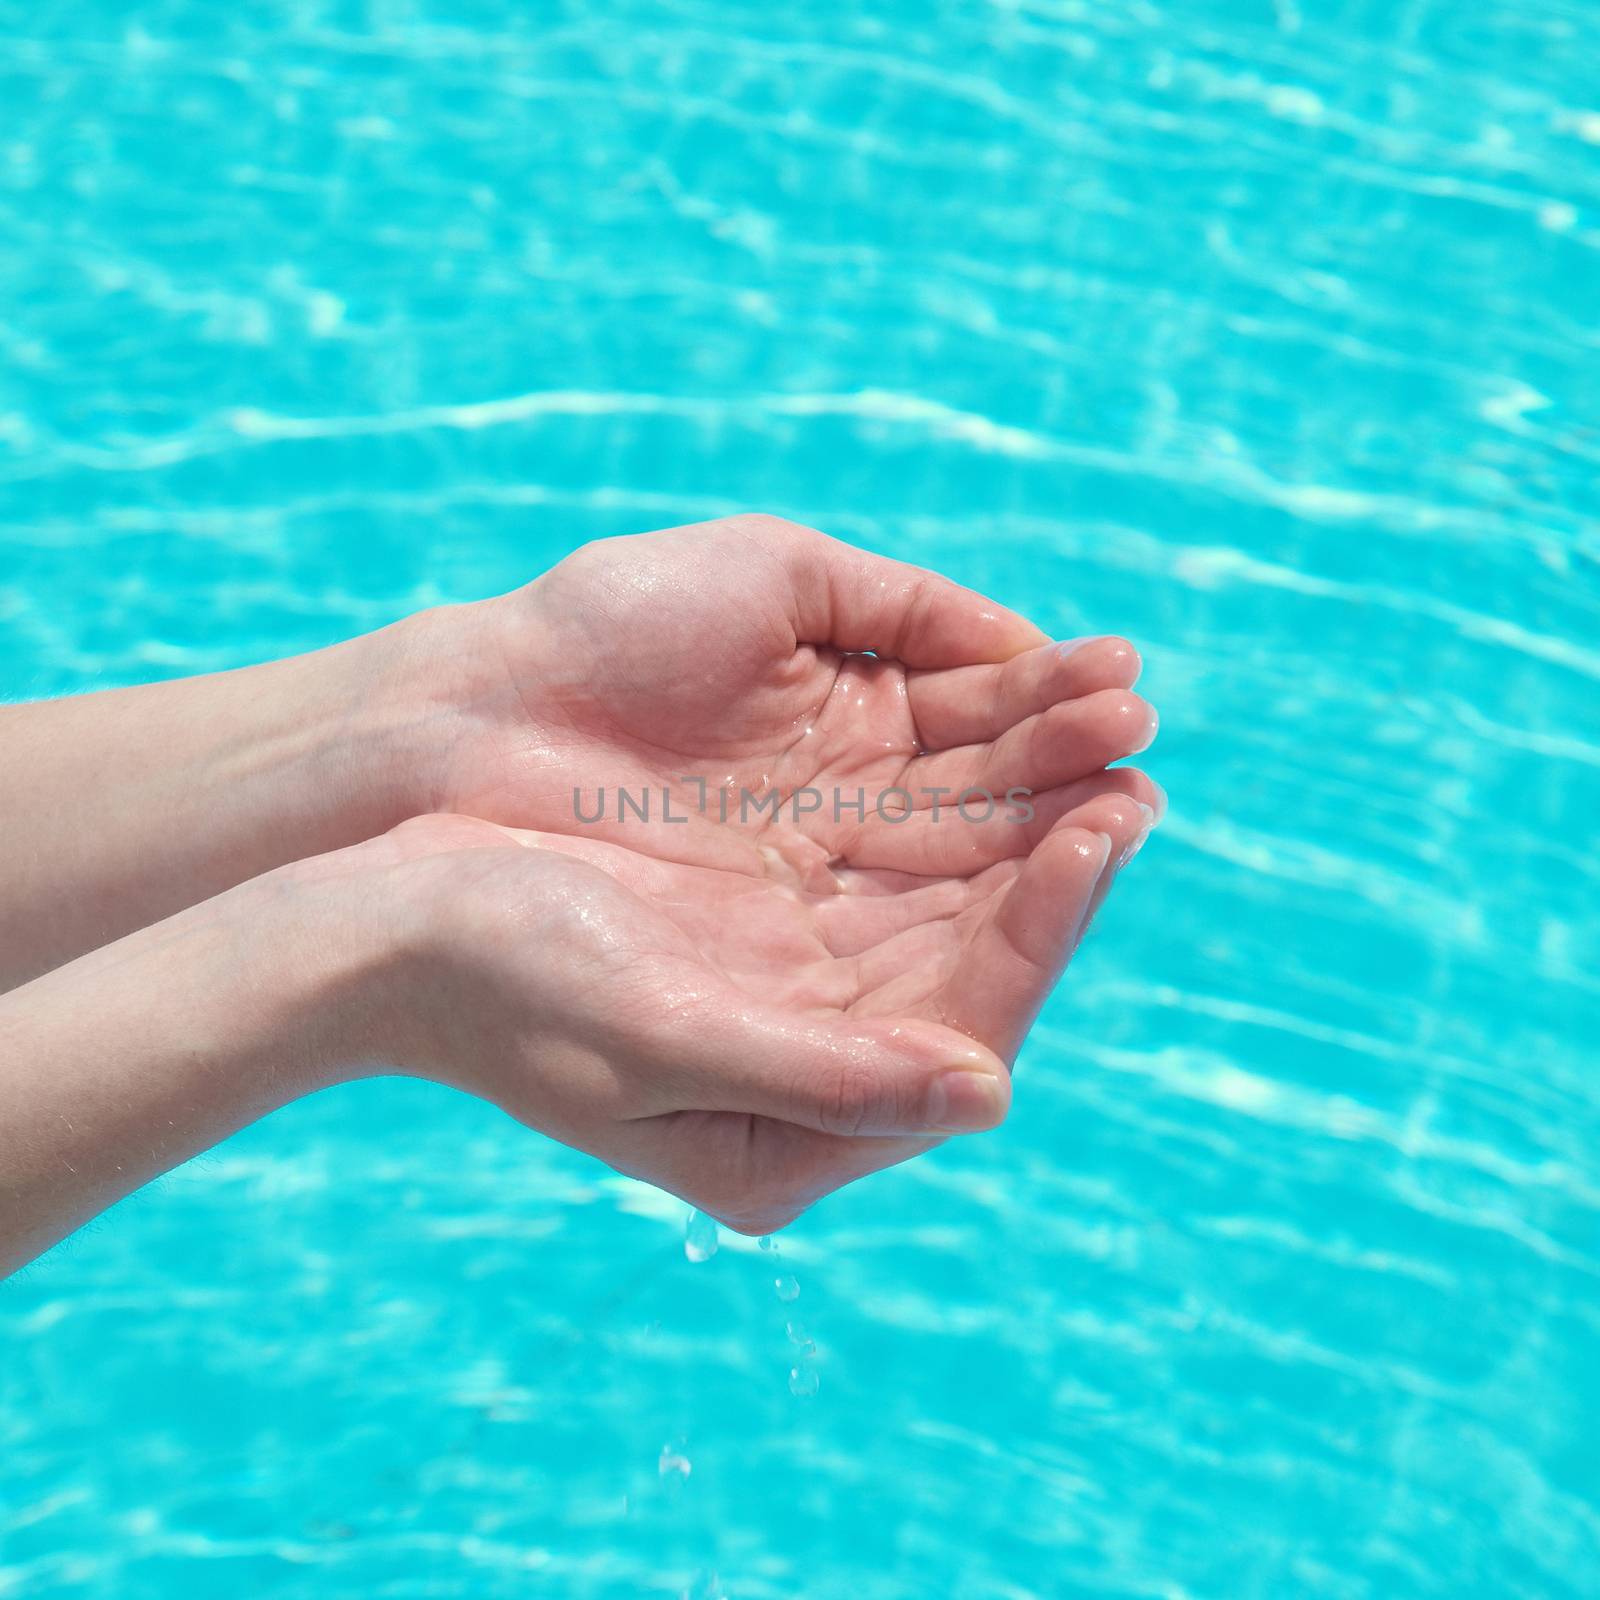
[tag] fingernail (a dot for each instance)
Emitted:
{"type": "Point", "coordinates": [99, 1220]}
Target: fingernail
{"type": "Point", "coordinates": [1151, 728]}
{"type": "Point", "coordinates": [964, 1102]}
{"type": "Point", "coordinates": [1070, 647]}
{"type": "Point", "coordinates": [1136, 844]}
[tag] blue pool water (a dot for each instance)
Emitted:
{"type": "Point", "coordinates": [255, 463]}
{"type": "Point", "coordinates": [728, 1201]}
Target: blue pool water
{"type": "Point", "coordinates": [1265, 333]}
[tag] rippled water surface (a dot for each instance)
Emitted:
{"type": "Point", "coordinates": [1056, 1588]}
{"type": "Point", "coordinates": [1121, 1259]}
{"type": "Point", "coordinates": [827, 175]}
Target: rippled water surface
{"type": "Point", "coordinates": [1266, 334]}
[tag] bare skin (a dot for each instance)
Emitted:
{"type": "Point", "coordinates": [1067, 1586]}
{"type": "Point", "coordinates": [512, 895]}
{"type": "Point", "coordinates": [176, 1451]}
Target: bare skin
{"type": "Point", "coordinates": [749, 1012]}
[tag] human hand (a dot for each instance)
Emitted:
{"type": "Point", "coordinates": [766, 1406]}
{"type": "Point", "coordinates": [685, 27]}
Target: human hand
{"type": "Point", "coordinates": [741, 1041]}
{"type": "Point", "coordinates": [731, 656]}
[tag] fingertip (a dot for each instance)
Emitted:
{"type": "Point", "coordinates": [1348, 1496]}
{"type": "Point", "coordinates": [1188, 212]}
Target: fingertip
{"type": "Point", "coordinates": [1137, 843]}
{"type": "Point", "coordinates": [964, 1101]}
{"type": "Point", "coordinates": [1135, 720]}
{"type": "Point", "coordinates": [1124, 819]}
{"type": "Point", "coordinates": [1123, 657]}
{"type": "Point", "coordinates": [1131, 781]}
{"type": "Point", "coordinates": [1107, 659]}
{"type": "Point", "coordinates": [1152, 794]}
{"type": "Point", "coordinates": [1119, 815]}
{"type": "Point", "coordinates": [1078, 847]}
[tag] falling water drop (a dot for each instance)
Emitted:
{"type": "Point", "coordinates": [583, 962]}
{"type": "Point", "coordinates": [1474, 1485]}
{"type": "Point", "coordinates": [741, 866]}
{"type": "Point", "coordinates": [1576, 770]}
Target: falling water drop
{"type": "Point", "coordinates": [699, 1237]}
{"type": "Point", "coordinates": [673, 1461]}
{"type": "Point", "coordinates": [803, 1375]}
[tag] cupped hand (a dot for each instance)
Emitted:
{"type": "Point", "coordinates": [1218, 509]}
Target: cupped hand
{"type": "Point", "coordinates": [748, 661]}
{"type": "Point", "coordinates": [743, 1042]}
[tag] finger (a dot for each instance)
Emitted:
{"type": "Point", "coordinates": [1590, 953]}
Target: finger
{"type": "Point", "coordinates": [853, 600]}
{"type": "Point", "coordinates": [833, 1073]}
{"type": "Point", "coordinates": [1015, 958]}
{"type": "Point", "coordinates": [1068, 741]}
{"type": "Point", "coordinates": [972, 705]}
{"type": "Point", "coordinates": [1125, 845]}
{"type": "Point", "coordinates": [950, 845]}
{"type": "Point", "coordinates": [895, 943]}
{"type": "Point", "coordinates": [851, 922]}
{"type": "Point", "coordinates": [922, 956]}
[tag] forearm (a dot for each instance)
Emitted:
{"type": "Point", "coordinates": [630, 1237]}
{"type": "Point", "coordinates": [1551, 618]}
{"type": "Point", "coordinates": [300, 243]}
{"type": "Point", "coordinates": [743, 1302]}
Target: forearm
{"type": "Point", "coordinates": [126, 1062]}
{"type": "Point", "coordinates": [120, 808]}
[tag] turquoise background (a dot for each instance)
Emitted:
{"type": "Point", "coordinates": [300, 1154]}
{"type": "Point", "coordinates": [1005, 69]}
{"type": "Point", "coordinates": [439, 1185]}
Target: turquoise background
{"type": "Point", "coordinates": [1267, 334]}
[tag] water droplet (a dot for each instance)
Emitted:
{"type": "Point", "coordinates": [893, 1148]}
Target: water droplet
{"type": "Point", "coordinates": [767, 1242]}
{"type": "Point", "coordinates": [699, 1237]}
{"type": "Point", "coordinates": [787, 1287]}
{"type": "Point", "coordinates": [671, 1461]}
{"type": "Point", "coordinates": [796, 1331]}
{"type": "Point", "coordinates": [803, 1380]}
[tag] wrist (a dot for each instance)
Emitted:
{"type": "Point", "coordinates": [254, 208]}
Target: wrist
{"type": "Point", "coordinates": [353, 739]}
{"type": "Point", "coordinates": [276, 981]}
{"type": "Point", "coordinates": [420, 696]}
{"type": "Point", "coordinates": [314, 960]}
{"type": "Point", "coordinates": [378, 715]}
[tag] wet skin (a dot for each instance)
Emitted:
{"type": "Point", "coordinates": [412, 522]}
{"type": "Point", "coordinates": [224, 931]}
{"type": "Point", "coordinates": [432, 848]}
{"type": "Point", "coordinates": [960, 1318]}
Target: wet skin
{"type": "Point", "coordinates": [748, 1009]}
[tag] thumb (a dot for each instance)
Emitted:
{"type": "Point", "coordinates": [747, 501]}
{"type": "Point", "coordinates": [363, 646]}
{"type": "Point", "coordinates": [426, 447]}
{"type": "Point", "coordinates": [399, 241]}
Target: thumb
{"type": "Point", "coordinates": [844, 1075]}
{"type": "Point", "coordinates": [854, 600]}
